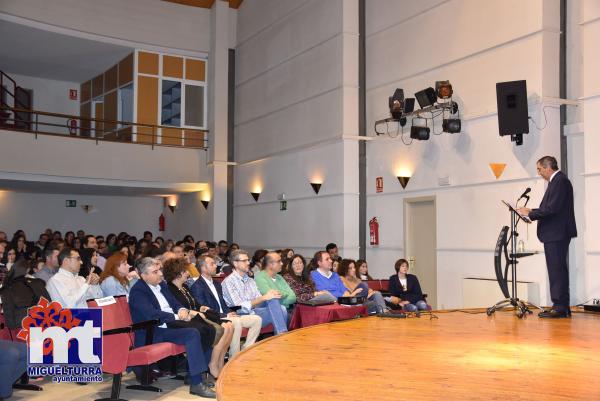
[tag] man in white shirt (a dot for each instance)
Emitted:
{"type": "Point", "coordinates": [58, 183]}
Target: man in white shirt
{"type": "Point", "coordinates": [67, 287]}
{"type": "Point", "coordinates": [210, 293]}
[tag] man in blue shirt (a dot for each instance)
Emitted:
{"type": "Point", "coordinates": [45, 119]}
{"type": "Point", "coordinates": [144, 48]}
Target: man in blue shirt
{"type": "Point", "coordinates": [325, 279]}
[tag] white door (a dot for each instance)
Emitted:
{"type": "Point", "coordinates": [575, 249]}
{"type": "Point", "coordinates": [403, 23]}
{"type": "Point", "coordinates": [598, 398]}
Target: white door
{"type": "Point", "coordinates": [420, 243]}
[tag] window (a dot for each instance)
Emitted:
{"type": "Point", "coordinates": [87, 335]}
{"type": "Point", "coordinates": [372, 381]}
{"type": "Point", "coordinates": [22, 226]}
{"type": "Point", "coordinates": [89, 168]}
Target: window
{"type": "Point", "coordinates": [171, 103]}
{"type": "Point", "coordinates": [194, 105]}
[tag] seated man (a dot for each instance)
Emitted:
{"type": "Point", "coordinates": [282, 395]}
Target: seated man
{"type": "Point", "coordinates": [68, 287]}
{"type": "Point", "coordinates": [270, 279]}
{"type": "Point", "coordinates": [210, 293]}
{"type": "Point", "coordinates": [240, 290]}
{"type": "Point", "coordinates": [150, 299]}
{"type": "Point", "coordinates": [50, 267]}
{"type": "Point", "coordinates": [325, 279]}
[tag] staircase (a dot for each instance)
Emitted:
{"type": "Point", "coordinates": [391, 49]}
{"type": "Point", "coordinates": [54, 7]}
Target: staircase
{"type": "Point", "coordinates": [13, 96]}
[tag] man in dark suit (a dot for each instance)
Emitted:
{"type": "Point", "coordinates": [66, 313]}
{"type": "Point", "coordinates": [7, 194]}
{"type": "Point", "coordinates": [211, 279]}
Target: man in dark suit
{"type": "Point", "coordinates": [556, 227]}
{"type": "Point", "coordinates": [150, 299]}
{"type": "Point", "coordinates": [209, 292]}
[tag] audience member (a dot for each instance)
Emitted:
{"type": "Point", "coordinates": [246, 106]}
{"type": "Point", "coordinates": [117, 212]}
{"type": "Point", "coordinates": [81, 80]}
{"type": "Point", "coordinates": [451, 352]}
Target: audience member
{"type": "Point", "coordinates": [363, 270]}
{"type": "Point", "coordinates": [240, 290]}
{"type": "Point", "coordinates": [210, 293]}
{"type": "Point", "coordinates": [347, 272]}
{"type": "Point", "coordinates": [89, 262]}
{"type": "Point", "coordinates": [150, 299]}
{"type": "Point", "coordinates": [332, 249]}
{"type": "Point", "coordinates": [327, 280]}
{"type": "Point", "coordinates": [299, 280]}
{"type": "Point", "coordinates": [69, 237]}
{"type": "Point", "coordinates": [216, 334]}
{"type": "Point", "coordinates": [111, 242]}
{"type": "Point", "coordinates": [116, 279]}
{"type": "Point", "coordinates": [50, 266]}
{"type": "Point", "coordinates": [405, 288]}
{"type": "Point", "coordinates": [269, 279]}
{"type": "Point", "coordinates": [68, 287]}
{"type": "Point", "coordinates": [20, 247]}
{"type": "Point", "coordinates": [13, 364]}
{"type": "Point", "coordinates": [256, 261]}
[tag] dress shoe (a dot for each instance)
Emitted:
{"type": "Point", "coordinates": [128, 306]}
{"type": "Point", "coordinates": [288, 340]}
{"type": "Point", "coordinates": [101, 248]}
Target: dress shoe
{"type": "Point", "coordinates": [554, 314]}
{"type": "Point", "coordinates": [202, 390]}
{"type": "Point", "coordinates": [209, 379]}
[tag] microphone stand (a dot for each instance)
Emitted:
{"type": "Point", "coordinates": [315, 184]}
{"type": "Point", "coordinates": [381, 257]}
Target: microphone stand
{"type": "Point", "coordinates": [522, 307]}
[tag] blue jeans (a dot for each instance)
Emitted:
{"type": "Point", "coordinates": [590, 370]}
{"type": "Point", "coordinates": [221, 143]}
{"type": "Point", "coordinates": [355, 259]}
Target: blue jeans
{"type": "Point", "coordinates": [13, 363]}
{"type": "Point", "coordinates": [272, 312]}
{"type": "Point", "coordinates": [421, 305]}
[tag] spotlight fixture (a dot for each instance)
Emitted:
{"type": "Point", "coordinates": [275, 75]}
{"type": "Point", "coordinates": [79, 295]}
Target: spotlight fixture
{"type": "Point", "coordinates": [396, 104]}
{"type": "Point", "coordinates": [172, 207]}
{"type": "Point", "coordinates": [443, 89]}
{"type": "Point", "coordinates": [403, 181]}
{"type": "Point", "coordinates": [205, 203]}
{"type": "Point", "coordinates": [451, 125]}
{"type": "Point", "coordinates": [426, 97]}
{"type": "Point", "coordinates": [316, 186]}
{"type": "Point", "coordinates": [255, 195]}
{"type": "Point", "coordinates": [420, 133]}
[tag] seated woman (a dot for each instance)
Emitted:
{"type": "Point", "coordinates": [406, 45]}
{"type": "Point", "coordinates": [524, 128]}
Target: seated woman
{"type": "Point", "coordinates": [116, 278]}
{"type": "Point", "coordinates": [363, 270]}
{"type": "Point", "coordinates": [299, 280]}
{"type": "Point", "coordinates": [405, 289]}
{"type": "Point", "coordinates": [215, 332]}
{"type": "Point", "coordinates": [89, 262]}
{"type": "Point", "coordinates": [347, 272]}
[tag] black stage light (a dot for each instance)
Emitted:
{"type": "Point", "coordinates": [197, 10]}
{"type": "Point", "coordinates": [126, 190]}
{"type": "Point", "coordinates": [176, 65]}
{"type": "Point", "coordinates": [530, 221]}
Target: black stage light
{"type": "Point", "coordinates": [419, 133]}
{"type": "Point", "coordinates": [409, 105]}
{"type": "Point", "coordinates": [426, 97]}
{"type": "Point", "coordinates": [443, 89]}
{"type": "Point", "coordinates": [396, 104]}
{"type": "Point", "coordinates": [451, 125]}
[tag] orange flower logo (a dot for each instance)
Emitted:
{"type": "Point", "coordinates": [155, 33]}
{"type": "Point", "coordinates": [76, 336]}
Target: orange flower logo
{"type": "Point", "coordinates": [47, 314]}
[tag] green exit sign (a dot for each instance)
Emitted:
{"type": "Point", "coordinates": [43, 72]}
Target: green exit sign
{"type": "Point", "coordinates": [71, 203]}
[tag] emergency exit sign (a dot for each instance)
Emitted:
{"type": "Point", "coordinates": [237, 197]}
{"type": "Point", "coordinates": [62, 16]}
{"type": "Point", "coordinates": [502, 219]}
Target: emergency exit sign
{"type": "Point", "coordinates": [71, 203]}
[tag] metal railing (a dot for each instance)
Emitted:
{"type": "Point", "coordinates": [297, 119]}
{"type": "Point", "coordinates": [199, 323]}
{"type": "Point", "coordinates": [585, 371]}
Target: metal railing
{"type": "Point", "coordinates": [45, 123]}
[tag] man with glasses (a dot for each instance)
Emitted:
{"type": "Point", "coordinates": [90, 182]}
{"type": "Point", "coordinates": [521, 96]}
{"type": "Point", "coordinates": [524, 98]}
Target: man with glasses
{"type": "Point", "coordinates": [270, 279]}
{"type": "Point", "coordinates": [240, 290]}
{"type": "Point", "coordinates": [67, 287]}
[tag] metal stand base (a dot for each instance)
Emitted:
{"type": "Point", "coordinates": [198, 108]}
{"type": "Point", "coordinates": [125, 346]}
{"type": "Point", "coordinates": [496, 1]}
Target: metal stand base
{"type": "Point", "coordinates": [522, 308]}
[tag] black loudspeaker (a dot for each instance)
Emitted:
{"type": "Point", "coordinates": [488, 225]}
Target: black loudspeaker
{"type": "Point", "coordinates": [513, 115]}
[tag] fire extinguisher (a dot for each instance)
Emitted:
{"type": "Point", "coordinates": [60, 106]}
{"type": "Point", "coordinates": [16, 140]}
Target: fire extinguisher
{"type": "Point", "coordinates": [374, 231]}
{"type": "Point", "coordinates": [161, 223]}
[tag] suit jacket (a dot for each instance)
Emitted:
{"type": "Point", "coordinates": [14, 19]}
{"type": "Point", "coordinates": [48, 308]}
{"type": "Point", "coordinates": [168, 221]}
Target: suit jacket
{"type": "Point", "coordinates": [144, 306]}
{"type": "Point", "coordinates": [556, 214]}
{"type": "Point", "coordinates": [201, 291]}
{"type": "Point", "coordinates": [413, 293]}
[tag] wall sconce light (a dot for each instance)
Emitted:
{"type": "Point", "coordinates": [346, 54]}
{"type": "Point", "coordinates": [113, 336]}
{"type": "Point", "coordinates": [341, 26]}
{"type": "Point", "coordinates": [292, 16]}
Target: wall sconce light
{"type": "Point", "coordinates": [403, 181]}
{"type": "Point", "coordinates": [88, 208]}
{"type": "Point", "coordinates": [255, 195]}
{"type": "Point", "coordinates": [171, 202]}
{"type": "Point", "coordinates": [205, 204]}
{"type": "Point", "coordinates": [316, 186]}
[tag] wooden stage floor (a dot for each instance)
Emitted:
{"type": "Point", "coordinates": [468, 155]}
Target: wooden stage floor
{"type": "Point", "coordinates": [458, 356]}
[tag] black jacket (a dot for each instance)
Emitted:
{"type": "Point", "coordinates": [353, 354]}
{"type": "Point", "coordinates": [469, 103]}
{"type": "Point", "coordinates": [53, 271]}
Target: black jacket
{"type": "Point", "coordinates": [556, 214]}
{"type": "Point", "coordinates": [413, 293]}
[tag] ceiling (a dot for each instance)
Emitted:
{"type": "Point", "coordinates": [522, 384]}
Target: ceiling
{"type": "Point", "coordinates": [39, 53]}
{"type": "Point", "coordinates": [205, 3]}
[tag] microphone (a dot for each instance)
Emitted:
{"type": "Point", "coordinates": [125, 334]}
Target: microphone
{"type": "Point", "coordinates": [524, 194]}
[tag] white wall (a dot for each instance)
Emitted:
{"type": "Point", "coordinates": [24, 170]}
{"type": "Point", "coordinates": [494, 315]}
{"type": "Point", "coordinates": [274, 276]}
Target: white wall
{"type": "Point", "coordinates": [35, 212]}
{"type": "Point", "coordinates": [523, 44]}
{"type": "Point", "coordinates": [293, 84]}
{"type": "Point", "coordinates": [152, 22]}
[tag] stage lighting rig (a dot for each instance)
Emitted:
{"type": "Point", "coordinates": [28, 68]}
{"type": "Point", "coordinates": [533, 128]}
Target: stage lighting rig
{"type": "Point", "coordinates": [432, 104]}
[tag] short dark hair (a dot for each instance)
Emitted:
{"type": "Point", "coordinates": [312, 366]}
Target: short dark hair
{"type": "Point", "coordinates": [147, 233]}
{"type": "Point", "coordinates": [316, 259]}
{"type": "Point", "coordinates": [330, 246]}
{"type": "Point", "coordinates": [188, 248]}
{"type": "Point", "coordinates": [223, 242]}
{"type": "Point", "coordinates": [548, 161]}
{"type": "Point", "coordinates": [173, 268]}
{"type": "Point", "coordinates": [399, 263]}
{"type": "Point", "coordinates": [87, 238]}
{"type": "Point", "coordinates": [48, 251]}
{"type": "Point", "coordinates": [65, 253]}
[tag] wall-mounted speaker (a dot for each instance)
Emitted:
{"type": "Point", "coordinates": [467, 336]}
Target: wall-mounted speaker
{"type": "Point", "coordinates": [513, 115]}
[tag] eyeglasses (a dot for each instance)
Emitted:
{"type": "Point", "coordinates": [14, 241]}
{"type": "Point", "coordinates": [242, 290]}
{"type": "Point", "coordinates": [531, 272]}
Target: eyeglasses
{"type": "Point", "coordinates": [243, 260]}
{"type": "Point", "coordinates": [74, 257]}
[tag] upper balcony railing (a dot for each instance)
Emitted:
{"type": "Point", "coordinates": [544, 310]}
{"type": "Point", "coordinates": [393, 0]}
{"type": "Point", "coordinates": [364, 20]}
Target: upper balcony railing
{"type": "Point", "coordinates": [44, 123]}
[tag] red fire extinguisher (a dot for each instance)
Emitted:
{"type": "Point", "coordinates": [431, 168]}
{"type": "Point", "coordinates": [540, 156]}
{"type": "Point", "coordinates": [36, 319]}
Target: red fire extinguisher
{"type": "Point", "coordinates": [374, 231]}
{"type": "Point", "coordinates": [161, 223]}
